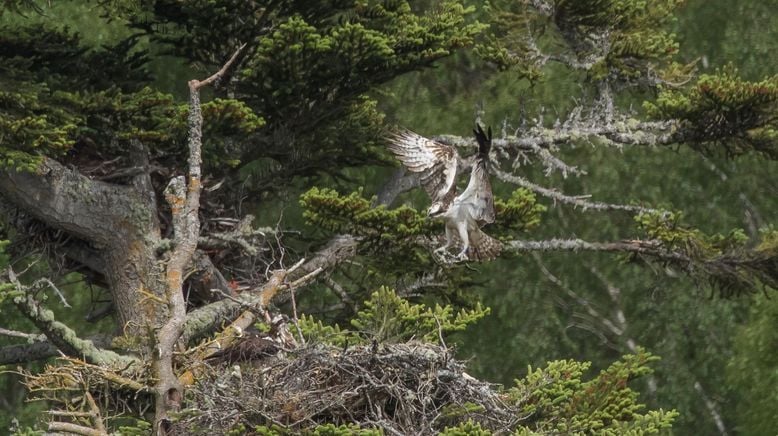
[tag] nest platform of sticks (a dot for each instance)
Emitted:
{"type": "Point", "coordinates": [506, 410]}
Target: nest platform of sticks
{"type": "Point", "coordinates": [411, 388]}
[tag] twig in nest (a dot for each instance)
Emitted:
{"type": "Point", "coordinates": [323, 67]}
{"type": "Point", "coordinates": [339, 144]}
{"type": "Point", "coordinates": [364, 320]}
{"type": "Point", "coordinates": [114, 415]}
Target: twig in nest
{"type": "Point", "coordinates": [412, 388]}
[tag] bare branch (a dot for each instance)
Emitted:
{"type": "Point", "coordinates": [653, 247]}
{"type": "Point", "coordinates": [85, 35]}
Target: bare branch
{"type": "Point", "coordinates": [12, 354]}
{"type": "Point", "coordinates": [243, 235]}
{"type": "Point", "coordinates": [552, 163]}
{"type": "Point", "coordinates": [219, 74]}
{"type": "Point", "coordinates": [235, 330]}
{"type": "Point", "coordinates": [648, 247]}
{"type": "Point", "coordinates": [29, 336]}
{"type": "Point", "coordinates": [184, 200]}
{"type": "Point", "coordinates": [340, 292]}
{"type": "Point", "coordinates": [110, 376]}
{"type": "Point", "coordinates": [95, 413]}
{"type": "Point", "coordinates": [259, 301]}
{"type": "Point", "coordinates": [575, 201]}
{"type": "Point", "coordinates": [713, 409]}
{"type": "Point", "coordinates": [70, 428]}
{"type": "Point", "coordinates": [622, 131]}
{"type": "Point", "coordinates": [429, 280]}
{"type": "Point", "coordinates": [71, 201]}
{"type": "Point", "coordinates": [45, 281]}
{"type": "Point", "coordinates": [42, 349]}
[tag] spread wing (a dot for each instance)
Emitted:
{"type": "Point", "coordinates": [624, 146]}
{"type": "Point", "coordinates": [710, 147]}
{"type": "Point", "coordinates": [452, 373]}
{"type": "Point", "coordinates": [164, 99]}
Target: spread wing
{"type": "Point", "coordinates": [436, 162]}
{"type": "Point", "coordinates": [478, 194]}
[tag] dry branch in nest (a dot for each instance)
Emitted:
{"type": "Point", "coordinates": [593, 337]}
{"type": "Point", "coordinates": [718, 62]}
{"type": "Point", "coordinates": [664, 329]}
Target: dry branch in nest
{"type": "Point", "coordinates": [411, 388]}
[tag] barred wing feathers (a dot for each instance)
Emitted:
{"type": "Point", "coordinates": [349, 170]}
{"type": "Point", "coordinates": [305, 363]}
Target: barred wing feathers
{"type": "Point", "coordinates": [437, 162]}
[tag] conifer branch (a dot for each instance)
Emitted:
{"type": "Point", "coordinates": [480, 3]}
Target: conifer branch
{"type": "Point", "coordinates": [399, 182]}
{"type": "Point", "coordinates": [552, 163]}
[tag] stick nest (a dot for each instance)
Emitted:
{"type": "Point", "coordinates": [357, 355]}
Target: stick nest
{"type": "Point", "coordinates": [410, 388]}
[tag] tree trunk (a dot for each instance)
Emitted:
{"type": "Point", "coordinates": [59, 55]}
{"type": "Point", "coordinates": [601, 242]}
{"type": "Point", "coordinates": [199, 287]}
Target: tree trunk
{"type": "Point", "coordinates": [119, 221]}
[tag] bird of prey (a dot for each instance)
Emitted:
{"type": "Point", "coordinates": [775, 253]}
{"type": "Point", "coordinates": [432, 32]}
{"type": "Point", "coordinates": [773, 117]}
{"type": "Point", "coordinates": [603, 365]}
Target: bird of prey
{"type": "Point", "coordinates": [464, 214]}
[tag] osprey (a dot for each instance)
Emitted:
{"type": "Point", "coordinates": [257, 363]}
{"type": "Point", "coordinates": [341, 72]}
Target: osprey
{"type": "Point", "coordinates": [464, 214]}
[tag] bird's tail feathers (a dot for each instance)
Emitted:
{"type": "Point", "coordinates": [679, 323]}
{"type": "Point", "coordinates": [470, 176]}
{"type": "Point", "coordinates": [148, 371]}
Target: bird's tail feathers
{"type": "Point", "coordinates": [482, 246]}
{"type": "Point", "coordinates": [484, 139]}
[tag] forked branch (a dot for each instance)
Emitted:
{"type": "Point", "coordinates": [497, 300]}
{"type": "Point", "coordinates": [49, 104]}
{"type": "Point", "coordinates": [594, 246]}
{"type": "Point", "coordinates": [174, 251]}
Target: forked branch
{"type": "Point", "coordinates": [184, 200]}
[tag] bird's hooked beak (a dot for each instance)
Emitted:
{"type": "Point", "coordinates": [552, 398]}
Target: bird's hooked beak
{"type": "Point", "coordinates": [434, 210]}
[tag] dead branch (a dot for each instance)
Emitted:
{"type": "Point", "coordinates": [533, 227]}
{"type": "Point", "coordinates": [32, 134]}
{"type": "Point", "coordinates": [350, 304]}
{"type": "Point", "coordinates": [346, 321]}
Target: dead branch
{"type": "Point", "coordinates": [235, 330]}
{"type": "Point", "coordinates": [20, 353]}
{"type": "Point", "coordinates": [575, 201]}
{"type": "Point", "coordinates": [712, 407]}
{"type": "Point", "coordinates": [400, 181]}
{"type": "Point", "coordinates": [621, 132]}
{"type": "Point", "coordinates": [16, 334]}
{"type": "Point", "coordinates": [643, 247]}
{"type": "Point", "coordinates": [94, 413]}
{"type": "Point", "coordinates": [184, 200]}
{"type": "Point", "coordinates": [70, 428]}
{"type": "Point", "coordinates": [113, 377]}
{"type": "Point", "coordinates": [207, 319]}
{"type": "Point", "coordinates": [196, 85]}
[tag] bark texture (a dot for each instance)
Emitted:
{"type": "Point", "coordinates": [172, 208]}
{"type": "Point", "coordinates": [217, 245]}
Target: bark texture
{"type": "Point", "coordinates": [119, 221]}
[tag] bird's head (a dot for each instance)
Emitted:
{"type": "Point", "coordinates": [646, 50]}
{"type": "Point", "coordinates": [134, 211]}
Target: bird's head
{"type": "Point", "coordinates": [436, 209]}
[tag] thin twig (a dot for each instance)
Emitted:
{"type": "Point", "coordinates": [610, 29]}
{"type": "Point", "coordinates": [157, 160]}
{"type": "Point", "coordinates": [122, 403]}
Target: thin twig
{"type": "Point", "coordinates": [219, 74]}
{"type": "Point", "coordinates": [46, 281]}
